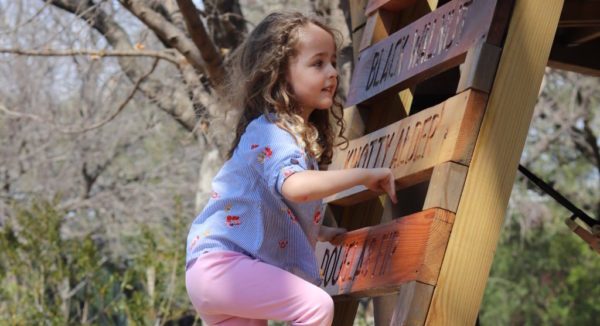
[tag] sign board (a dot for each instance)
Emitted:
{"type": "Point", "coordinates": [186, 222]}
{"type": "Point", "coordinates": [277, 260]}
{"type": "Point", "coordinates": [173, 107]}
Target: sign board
{"type": "Point", "coordinates": [428, 46]}
{"type": "Point", "coordinates": [412, 146]}
{"type": "Point", "coordinates": [377, 259]}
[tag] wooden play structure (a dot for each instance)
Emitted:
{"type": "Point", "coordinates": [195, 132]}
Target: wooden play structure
{"type": "Point", "coordinates": [442, 93]}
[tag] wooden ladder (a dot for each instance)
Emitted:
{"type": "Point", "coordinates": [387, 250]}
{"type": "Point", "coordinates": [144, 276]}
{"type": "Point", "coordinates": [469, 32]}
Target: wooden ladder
{"type": "Point", "coordinates": [443, 96]}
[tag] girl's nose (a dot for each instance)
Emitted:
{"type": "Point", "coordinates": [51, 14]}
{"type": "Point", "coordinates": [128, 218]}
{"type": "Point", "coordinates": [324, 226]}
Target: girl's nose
{"type": "Point", "coordinates": [332, 71]}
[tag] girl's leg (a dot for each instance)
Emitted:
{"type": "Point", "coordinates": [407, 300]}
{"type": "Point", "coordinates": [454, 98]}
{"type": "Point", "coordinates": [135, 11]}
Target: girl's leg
{"type": "Point", "coordinates": [225, 284]}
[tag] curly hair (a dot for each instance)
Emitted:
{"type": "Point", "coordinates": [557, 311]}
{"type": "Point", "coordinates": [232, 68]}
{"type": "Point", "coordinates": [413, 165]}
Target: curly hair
{"type": "Point", "coordinates": [257, 83]}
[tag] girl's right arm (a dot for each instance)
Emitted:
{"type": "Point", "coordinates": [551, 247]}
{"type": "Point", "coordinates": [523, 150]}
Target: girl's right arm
{"type": "Point", "coordinates": [313, 185]}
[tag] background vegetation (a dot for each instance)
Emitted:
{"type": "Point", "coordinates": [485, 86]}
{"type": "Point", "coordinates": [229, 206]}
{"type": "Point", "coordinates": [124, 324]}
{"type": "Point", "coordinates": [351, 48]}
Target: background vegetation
{"type": "Point", "coordinates": [105, 159]}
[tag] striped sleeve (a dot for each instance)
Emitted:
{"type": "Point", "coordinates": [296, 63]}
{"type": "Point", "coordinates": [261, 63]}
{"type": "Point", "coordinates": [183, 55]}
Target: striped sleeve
{"type": "Point", "coordinates": [275, 155]}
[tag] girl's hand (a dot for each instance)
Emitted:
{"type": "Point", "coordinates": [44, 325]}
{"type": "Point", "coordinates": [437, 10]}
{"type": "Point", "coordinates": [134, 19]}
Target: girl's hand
{"type": "Point", "coordinates": [381, 180]}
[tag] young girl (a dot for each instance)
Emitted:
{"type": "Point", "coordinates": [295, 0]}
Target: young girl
{"type": "Point", "coordinates": [250, 252]}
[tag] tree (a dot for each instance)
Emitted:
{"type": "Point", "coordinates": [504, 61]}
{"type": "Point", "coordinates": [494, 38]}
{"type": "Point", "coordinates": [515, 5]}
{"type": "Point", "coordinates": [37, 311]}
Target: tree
{"type": "Point", "coordinates": [111, 115]}
{"type": "Point", "coordinates": [543, 273]}
{"type": "Point", "coordinates": [86, 69]}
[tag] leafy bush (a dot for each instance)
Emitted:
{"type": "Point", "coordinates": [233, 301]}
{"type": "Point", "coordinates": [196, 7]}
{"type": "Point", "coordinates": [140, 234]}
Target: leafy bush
{"type": "Point", "coordinates": [48, 278]}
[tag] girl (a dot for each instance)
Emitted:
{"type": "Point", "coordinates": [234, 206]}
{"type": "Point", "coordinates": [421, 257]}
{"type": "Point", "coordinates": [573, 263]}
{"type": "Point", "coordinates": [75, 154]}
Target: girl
{"type": "Point", "coordinates": [250, 252]}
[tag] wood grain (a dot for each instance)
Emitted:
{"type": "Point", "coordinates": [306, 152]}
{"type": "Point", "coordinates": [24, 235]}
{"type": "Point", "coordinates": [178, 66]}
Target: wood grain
{"type": "Point", "coordinates": [428, 46]}
{"type": "Point", "coordinates": [480, 216]}
{"type": "Point", "coordinates": [378, 259]}
{"type": "Point", "coordinates": [412, 146]}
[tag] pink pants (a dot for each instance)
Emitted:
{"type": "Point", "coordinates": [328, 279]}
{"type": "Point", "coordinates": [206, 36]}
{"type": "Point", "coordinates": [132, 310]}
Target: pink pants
{"type": "Point", "coordinates": [229, 288]}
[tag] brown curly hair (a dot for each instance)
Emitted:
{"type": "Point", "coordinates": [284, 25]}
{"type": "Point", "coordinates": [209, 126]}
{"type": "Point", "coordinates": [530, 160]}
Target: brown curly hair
{"type": "Point", "coordinates": [257, 83]}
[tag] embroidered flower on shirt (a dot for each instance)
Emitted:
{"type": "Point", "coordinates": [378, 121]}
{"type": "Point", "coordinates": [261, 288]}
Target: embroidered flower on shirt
{"type": "Point", "coordinates": [194, 242]}
{"type": "Point", "coordinates": [292, 216]}
{"type": "Point", "coordinates": [266, 153]}
{"type": "Point", "coordinates": [283, 243]}
{"type": "Point", "coordinates": [317, 216]}
{"type": "Point", "coordinates": [232, 220]}
{"type": "Point", "coordinates": [253, 146]}
{"type": "Point", "coordinates": [214, 195]}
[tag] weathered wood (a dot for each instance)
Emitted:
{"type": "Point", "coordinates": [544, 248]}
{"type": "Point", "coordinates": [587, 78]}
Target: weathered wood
{"type": "Point", "coordinates": [585, 234]}
{"type": "Point", "coordinates": [422, 49]}
{"type": "Point", "coordinates": [379, 26]}
{"type": "Point", "coordinates": [376, 260]}
{"type": "Point", "coordinates": [358, 17]}
{"type": "Point", "coordinates": [390, 5]}
{"type": "Point", "coordinates": [445, 186]}
{"type": "Point", "coordinates": [479, 68]}
{"type": "Point", "coordinates": [580, 14]}
{"type": "Point", "coordinates": [470, 251]}
{"type": "Point", "coordinates": [414, 145]}
{"type": "Point", "coordinates": [412, 304]}
{"type": "Point", "coordinates": [356, 39]}
{"type": "Point", "coordinates": [582, 59]}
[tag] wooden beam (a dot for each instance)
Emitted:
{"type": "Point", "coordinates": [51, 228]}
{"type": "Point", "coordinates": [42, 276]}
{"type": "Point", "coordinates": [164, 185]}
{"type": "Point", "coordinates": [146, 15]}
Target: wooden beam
{"type": "Point", "coordinates": [445, 186]}
{"type": "Point", "coordinates": [414, 145]}
{"type": "Point", "coordinates": [430, 45]}
{"type": "Point", "coordinates": [582, 59]}
{"type": "Point", "coordinates": [412, 303]}
{"type": "Point", "coordinates": [581, 35]}
{"type": "Point", "coordinates": [358, 17]}
{"type": "Point", "coordinates": [580, 14]}
{"type": "Point", "coordinates": [380, 24]}
{"type": "Point", "coordinates": [479, 68]}
{"type": "Point", "coordinates": [593, 240]}
{"type": "Point", "coordinates": [469, 255]}
{"type": "Point", "coordinates": [378, 259]}
{"type": "Point", "coordinates": [390, 5]}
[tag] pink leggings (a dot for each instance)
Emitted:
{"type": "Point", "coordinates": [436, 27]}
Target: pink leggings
{"type": "Point", "coordinates": [229, 288]}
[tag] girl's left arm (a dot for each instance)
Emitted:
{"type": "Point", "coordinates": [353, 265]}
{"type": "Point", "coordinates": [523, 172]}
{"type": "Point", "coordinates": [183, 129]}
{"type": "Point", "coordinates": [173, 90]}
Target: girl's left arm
{"type": "Point", "coordinates": [314, 185]}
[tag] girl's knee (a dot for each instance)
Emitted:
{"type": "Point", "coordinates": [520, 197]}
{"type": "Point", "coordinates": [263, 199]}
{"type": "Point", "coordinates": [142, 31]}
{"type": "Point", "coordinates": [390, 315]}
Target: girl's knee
{"type": "Point", "coordinates": [326, 306]}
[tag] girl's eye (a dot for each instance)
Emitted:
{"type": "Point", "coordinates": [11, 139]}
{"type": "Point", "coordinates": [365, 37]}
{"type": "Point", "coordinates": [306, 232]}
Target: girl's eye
{"type": "Point", "coordinates": [318, 63]}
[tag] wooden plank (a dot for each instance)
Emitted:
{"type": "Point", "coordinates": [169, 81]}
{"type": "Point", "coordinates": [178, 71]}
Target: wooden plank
{"type": "Point", "coordinates": [390, 5]}
{"type": "Point", "coordinates": [379, 26]}
{"type": "Point", "coordinates": [445, 186]}
{"type": "Point", "coordinates": [481, 211]}
{"type": "Point", "coordinates": [357, 13]}
{"type": "Point", "coordinates": [585, 234]}
{"type": "Point", "coordinates": [407, 307]}
{"type": "Point", "coordinates": [428, 46]}
{"type": "Point", "coordinates": [582, 59]}
{"type": "Point", "coordinates": [414, 145]}
{"type": "Point", "coordinates": [356, 39]}
{"type": "Point", "coordinates": [376, 260]}
{"type": "Point", "coordinates": [412, 304]}
{"type": "Point", "coordinates": [581, 35]}
{"type": "Point", "coordinates": [580, 14]}
{"type": "Point", "coordinates": [479, 68]}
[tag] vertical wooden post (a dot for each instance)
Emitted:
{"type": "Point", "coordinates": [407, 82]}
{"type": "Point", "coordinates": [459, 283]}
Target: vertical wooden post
{"type": "Point", "coordinates": [469, 255]}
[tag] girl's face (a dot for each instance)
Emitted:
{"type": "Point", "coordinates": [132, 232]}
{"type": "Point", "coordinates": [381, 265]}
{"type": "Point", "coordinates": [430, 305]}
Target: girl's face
{"type": "Point", "coordinates": [312, 73]}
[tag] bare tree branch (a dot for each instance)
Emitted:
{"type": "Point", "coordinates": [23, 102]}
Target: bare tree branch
{"type": "Point", "coordinates": [181, 110]}
{"type": "Point", "coordinates": [94, 54]}
{"type": "Point", "coordinates": [166, 32]}
{"type": "Point", "coordinates": [93, 126]}
{"type": "Point", "coordinates": [214, 61]}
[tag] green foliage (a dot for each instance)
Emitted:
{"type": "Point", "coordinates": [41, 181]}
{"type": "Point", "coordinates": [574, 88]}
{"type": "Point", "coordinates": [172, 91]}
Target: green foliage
{"type": "Point", "coordinates": [544, 274]}
{"type": "Point", "coordinates": [49, 278]}
{"type": "Point", "coordinates": [550, 278]}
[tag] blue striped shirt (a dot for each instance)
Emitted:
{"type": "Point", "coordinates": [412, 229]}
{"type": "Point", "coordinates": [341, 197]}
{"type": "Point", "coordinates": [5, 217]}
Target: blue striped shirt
{"type": "Point", "coordinates": [247, 213]}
